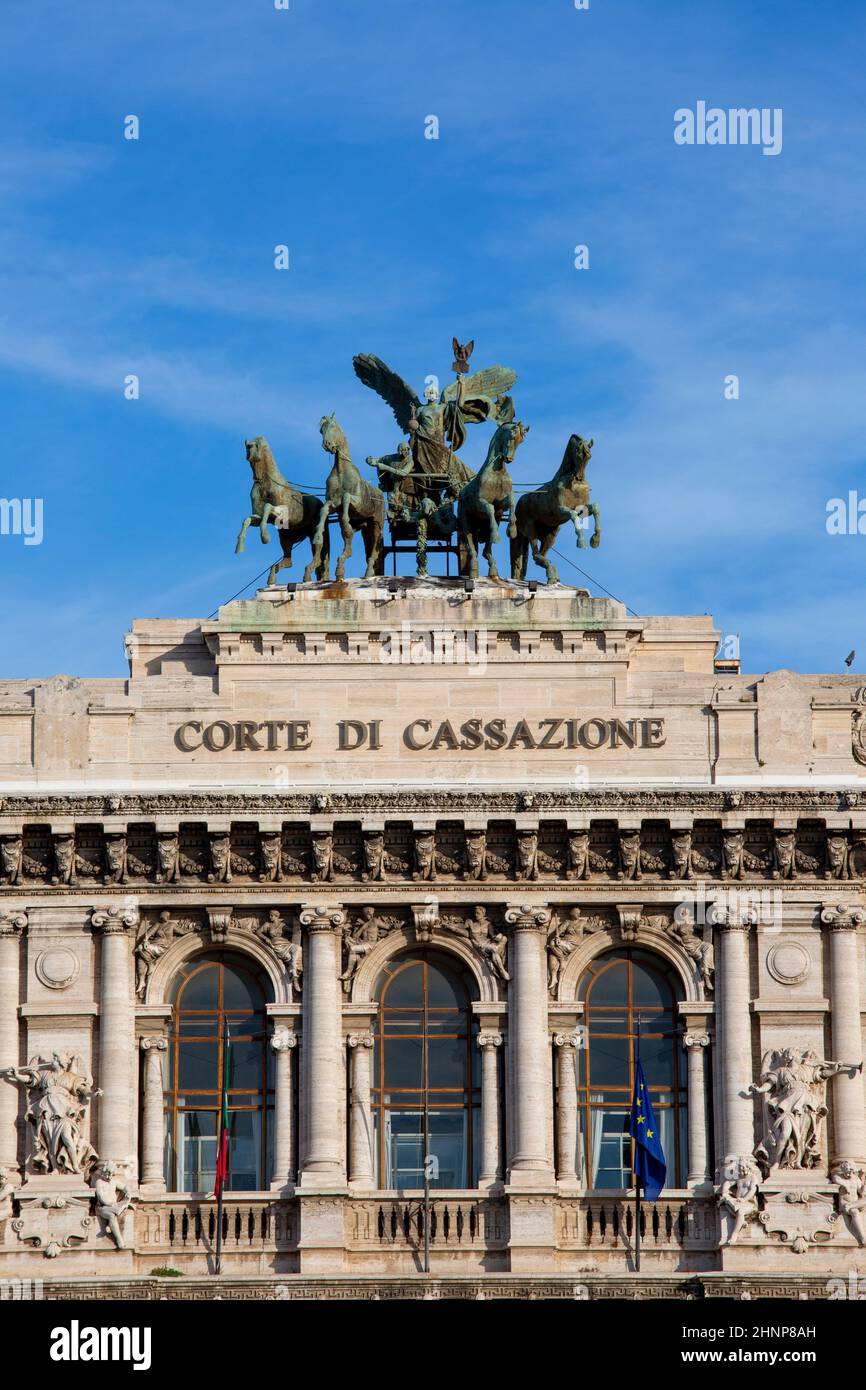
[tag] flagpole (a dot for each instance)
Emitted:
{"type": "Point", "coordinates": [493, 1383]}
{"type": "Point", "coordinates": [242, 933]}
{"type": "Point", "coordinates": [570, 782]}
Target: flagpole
{"type": "Point", "coordinates": [637, 1198]}
{"type": "Point", "coordinates": [221, 1142]}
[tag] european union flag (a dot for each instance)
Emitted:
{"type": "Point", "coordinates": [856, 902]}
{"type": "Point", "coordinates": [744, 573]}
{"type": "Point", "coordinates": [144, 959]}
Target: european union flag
{"type": "Point", "coordinates": [650, 1166]}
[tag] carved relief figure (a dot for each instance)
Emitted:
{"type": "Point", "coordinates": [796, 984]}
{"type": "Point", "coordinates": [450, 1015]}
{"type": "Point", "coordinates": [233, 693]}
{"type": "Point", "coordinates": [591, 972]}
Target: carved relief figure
{"type": "Point", "coordinates": [151, 942]}
{"type": "Point", "coordinates": [323, 856]}
{"type": "Point", "coordinates": [794, 1084]}
{"type": "Point", "coordinates": [112, 1200]}
{"type": "Point", "coordinates": [738, 1198]}
{"type": "Point", "coordinates": [359, 938]}
{"type": "Point", "coordinates": [475, 866]}
{"type": "Point", "coordinates": [59, 1092]}
{"type": "Point", "coordinates": [220, 858]}
{"type": "Point", "coordinates": [115, 858]}
{"type": "Point", "coordinates": [681, 854]}
{"type": "Point", "coordinates": [784, 844]}
{"type": "Point", "coordinates": [629, 854]}
{"type": "Point", "coordinates": [577, 864]}
{"type": "Point", "coordinates": [271, 846]}
{"type": "Point", "coordinates": [425, 855]}
{"type": "Point", "coordinates": [836, 865]}
{"type": "Point", "coordinates": [491, 943]}
{"type": "Point", "coordinates": [527, 855]}
{"type": "Point", "coordinates": [732, 854]}
{"type": "Point", "coordinates": [562, 938]}
{"type": "Point", "coordinates": [64, 859]}
{"type": "Point", "coordinates": [11, 851]}
{"type": "Point", "coordinates": [701, 951]}
{"type": "Point", "coordinates": [167, 857]}
{"type": "Point", "coordinates": [275, 932]}
{"type": "Point", "coordinates": [374, 856]}
{"type": "Point", "coordinates": [851, 1183]}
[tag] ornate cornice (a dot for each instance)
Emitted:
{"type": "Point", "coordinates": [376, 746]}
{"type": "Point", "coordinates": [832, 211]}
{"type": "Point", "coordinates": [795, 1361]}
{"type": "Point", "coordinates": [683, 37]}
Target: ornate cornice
{"type": "Point", "coordinates": [201, 804]}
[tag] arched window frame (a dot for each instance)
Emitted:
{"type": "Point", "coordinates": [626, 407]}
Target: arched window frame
{"type": "Point", "coordinates": [256, 1100]}
{"type": "Point", "coordinates": [669, 1098]}
{"type": "Point", "coordinates": [389, 1101]}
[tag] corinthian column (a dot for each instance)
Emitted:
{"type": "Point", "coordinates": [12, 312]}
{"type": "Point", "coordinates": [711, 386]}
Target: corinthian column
{"type": "Point", "coordinates": [849, 1139]}
{"type": "Point", "coordinates": [566, 1106]}
{"type": "Point", "coordinates": [283, 1045]}
{"type": "Point", "coordinates": [694, 1044]}
{"type": "Point", "coordinates": [361, 1135]}
{"type": "Point", "coordinates": [116, 1034]}
{"type": "Point", "coordinates": [732, 1003]}
{"type": "Point", "coordinates": [322, 1049]}
{"type": "Point", "coordinates": [488, 1043]}
{"type": "Point", "coordinates": [528, 1035]}
{"type": "Point", "coordinates": [12, 923]}
{"type": "Point", "coordinates": [153, 1114]}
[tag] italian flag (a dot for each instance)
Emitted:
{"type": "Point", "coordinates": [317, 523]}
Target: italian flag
{"type": "Point", "coordinates": [222, 1163]}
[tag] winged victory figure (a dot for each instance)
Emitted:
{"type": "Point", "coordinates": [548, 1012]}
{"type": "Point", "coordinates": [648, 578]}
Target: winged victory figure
{"type": "Point", "coordinates": [437, 427]}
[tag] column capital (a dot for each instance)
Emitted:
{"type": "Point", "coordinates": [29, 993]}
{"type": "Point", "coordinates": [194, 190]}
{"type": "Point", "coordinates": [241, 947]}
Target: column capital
{"type": "Point", "coordinates": [318, 917]}
{"type": "Point", "coordinates": [528, 916]}
{"type": "Point", "coordinates": [12, 921]}
{"type": "Point", "coordinates": [489, 1040]}
{"type": "Point", "coordinates": [282, 1040]}
{"type": "Point", "coordinates": [843, 916]}
{"type": "Point", "coordinates": [115, 920]}
{"type": "Point", "coordinates": [693, 1042]}
{"type": "Point", "coordinates": [360, 1040]}
{"type": "Point", "coordinates": [154, 1043]}
{"type": "Point", "coordinates": [732, 916]}
{"type": "Point", "coordinates": [574, 1039]}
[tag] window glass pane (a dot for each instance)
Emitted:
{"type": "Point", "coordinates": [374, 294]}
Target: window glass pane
{"type": "Point", "coordinates": [648, 987]}
{"type": "Point", "coordinates": [245, 1135]}
{"type": "Point", "coordinates": [446, 1062]}
{"type": "Point", "coordinates": [609, 1021]}
{"type": "Point", "coordinates": [239, 991]}
{"type": "Point", "coordinates": [402, 1021]}
{"type": "Point", "coordinates": [196, 1147]}
{"type": "Point", "coordinates": [608, 1061]}
{"type": "Point", "coordinates": [405, 989]}
{"type": "Point", "coordinates": [657, 1055]}
{"type": "Point", "coordinates": [611, 1149]}
{"type": "Point", "coordinates": [403, 1062]}
{"type": "Point", "coordinates": [443, 990]}
{"type": "Point", "coordinates": [245, 1065]}
{"type": "Point", "coordinates": [202, 990]}
{"type": "Point", "coordinates": [198, 1065]}
{"type": "Point", "coordinates": [611, 987]}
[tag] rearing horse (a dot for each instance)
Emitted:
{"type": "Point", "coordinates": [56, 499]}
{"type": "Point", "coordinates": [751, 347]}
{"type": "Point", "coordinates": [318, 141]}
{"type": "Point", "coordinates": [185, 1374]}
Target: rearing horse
{"type": "Point", "coordinates": [360, 505]}
{"type": "Point", "coordinates": [296, 514]}
{"type": "Point", "coordinates": [484, 499]}
{"type": "Point", "coordinates": [540, 514]}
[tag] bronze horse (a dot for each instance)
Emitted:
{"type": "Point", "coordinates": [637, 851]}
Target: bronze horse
{"type": "Point", "coordinates": [484, 499]}
{"type": "Point", "coordinates": [296, 514]}
{"type": "Point", "coordinates": [540, 514]}
{"type": "Point", "coordinates": [360, 505]}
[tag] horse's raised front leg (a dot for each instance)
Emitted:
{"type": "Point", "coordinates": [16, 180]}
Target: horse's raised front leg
{"type": "Point", "coordinates": [576, 516]}
{"type": "Point", "coordinates": [242, 535]}
{"type": "Point", "coordinates": [267, 509]}
{"type": "Point", "coordinates": [596, 535]}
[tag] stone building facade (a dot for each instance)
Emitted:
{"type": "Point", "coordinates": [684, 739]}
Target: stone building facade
{"type": "Point", "coordinates": [426, 857]}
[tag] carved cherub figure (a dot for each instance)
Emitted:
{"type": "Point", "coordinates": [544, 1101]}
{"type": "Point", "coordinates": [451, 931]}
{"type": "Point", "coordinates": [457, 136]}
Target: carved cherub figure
{"type": "Point", "coordinates": [112, 1200]}
{"type": "Point", "coordinates": [851, 1183]}
{"type": "Point", "coordinates": [738, 1198]}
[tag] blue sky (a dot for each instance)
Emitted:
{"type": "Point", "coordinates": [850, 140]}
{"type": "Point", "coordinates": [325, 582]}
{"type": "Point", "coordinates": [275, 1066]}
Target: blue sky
{"type": "Point", "coordinates": [306, 127]}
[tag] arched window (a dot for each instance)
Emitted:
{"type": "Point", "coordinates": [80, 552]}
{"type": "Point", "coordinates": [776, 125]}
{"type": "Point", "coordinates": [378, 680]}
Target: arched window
{"type": "Point", "coordinates": [426, 1080]}
{"type": "Point", "coordinates": [217, 995]}
{"type": "Point", "coordinates": [619, 989]}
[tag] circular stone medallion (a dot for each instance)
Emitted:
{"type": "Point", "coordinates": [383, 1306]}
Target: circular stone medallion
{"type": "Point", "coordinates": [57, 968]}
{"type": "Point", "coordinates": [788, 962]}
